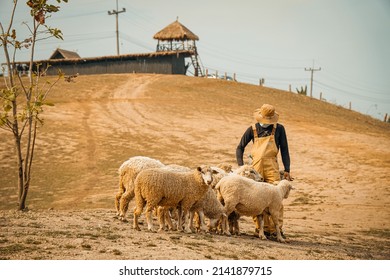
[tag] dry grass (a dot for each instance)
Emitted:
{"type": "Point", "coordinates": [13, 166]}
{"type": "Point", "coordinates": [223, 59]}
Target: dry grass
{"type": "Point", "coordinates": [340, 161]}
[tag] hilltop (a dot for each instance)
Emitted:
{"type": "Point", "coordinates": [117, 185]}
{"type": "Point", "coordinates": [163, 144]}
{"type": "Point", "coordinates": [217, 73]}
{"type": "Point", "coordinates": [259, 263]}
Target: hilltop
{"type": "Point", "coordinates": [339, 159]}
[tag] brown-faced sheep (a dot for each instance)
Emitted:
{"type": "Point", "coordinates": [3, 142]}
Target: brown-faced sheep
{"type": "Point", "coordinates": [250, 198]}
{"type": "Point", "coordinates": [162, 187]}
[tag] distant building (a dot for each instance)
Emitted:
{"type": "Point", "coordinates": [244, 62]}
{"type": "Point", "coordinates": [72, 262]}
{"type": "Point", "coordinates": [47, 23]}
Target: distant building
{"type": "Point", "coordinates": [64, 54]}
{"type": "Point", "coordinates": [168, 59]}
{"type": "Point", "coordinates": [177, 37]}
{"type": "Point", "coordinates": [162, 63]}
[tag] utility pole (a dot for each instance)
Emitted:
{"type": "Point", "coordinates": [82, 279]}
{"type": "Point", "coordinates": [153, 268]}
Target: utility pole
{"type": "Point", "coordinates": [116, 12]}
{"type": "Point", "coordinates": [311, 80]}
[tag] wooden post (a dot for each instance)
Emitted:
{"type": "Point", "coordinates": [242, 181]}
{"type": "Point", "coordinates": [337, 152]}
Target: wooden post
{"type": "Point", "coordinates": [350, 105]}
{"type": "Point", "coordinates": [207, 73]}
{"type": "Point", "coordinates": [234, 77]}
{"type": "Point", "coordinates": [289, 87]}
{"type": "Point", "coordinates": [321, 95]}
{"type": "Point", "coordinates": [216, 74]}
{"type": "Point", "coordinates": [225, 75]}
{"type": "Point", "coordinates": [385, 119]}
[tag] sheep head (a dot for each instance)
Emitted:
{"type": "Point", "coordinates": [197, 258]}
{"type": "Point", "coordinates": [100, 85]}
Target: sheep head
{"type": "Point", "coordinates": [228, 168]}
{"type": "Point", "coordinates": [207, 174]}
{"type": "Point", "coordinates": [286, 186]}
{"type": "Point", "coordinates": [218, 174]}
{"type": "Point", "coordinates": [248, 171]}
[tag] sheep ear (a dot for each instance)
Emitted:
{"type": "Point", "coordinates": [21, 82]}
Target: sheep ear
{"type": "Point", "coordinates": [199, 169]}
{"type": "Point", "coordinates": [214, 171]}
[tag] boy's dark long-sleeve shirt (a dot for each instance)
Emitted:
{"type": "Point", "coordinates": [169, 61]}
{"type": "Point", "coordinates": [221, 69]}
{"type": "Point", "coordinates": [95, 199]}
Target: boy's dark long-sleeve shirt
{"type": "Point", "coordinates": [280, 141]}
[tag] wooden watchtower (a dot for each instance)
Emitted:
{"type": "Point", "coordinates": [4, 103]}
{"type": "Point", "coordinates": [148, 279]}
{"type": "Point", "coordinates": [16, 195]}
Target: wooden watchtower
{"type": "Point", "coordinates": [177, 37]}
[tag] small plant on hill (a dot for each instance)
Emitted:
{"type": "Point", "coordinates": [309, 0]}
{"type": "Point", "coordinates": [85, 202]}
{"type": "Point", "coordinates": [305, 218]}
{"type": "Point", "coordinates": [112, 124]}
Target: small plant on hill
{"type": "Point", "coordinates": [302, 91]}
{"type": "Point", "coordinates": [21, 102]}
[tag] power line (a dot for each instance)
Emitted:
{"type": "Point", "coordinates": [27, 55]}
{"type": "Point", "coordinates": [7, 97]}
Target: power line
{"type": "Point", "coordinates": [116, 12]}
{"type": "Point", "coordinates": [311, 79]}
{"type": "Point", "coordinates": [354, 84]}
{"type": "Point", "coordinates": [361, 97]}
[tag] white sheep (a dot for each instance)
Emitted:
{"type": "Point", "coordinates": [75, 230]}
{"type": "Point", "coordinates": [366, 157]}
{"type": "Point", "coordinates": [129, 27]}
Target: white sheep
{"type": "Point", "coordinates": [247, 171]}
{"type": "Point", "coordinates": [162, 187]}
{"type": "Point", "coordinates": [250, 198]}
{"type": "Point", "coordinates": [211, 207]}
{"type": "Point", "coordinates": [128, 171]}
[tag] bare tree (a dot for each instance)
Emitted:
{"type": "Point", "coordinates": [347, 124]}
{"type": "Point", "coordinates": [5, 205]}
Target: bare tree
{"type": "Point", "coordinates": [22, 101]}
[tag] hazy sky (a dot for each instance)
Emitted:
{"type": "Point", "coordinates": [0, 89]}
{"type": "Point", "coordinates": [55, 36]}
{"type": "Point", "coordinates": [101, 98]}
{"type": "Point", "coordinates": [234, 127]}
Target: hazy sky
{"type": "Point", "coordinates": [271, 39]}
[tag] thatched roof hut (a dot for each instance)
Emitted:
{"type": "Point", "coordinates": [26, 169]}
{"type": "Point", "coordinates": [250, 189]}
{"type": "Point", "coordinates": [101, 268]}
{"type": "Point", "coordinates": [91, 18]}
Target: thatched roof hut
{"type": "Point", "coordinates": [177, 37]}
{"type": "Point", "coordinates": [64, 54]}
{"type": "Point", "coordinates": [175, 32]}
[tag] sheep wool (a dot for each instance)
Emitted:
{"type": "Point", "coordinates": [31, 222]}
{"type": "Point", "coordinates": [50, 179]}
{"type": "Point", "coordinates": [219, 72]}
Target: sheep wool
{"type": "Point", "coordinates": [128, 171]}
{"type": "Point", "coordinates": [210, 207]}
{"type": "Point", "coordinates": [163, 187]}
{"type": "Point", "coordinates": [250, 198]}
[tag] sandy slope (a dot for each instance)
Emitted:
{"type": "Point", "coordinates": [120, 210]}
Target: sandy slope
{"type": "Point", "coordinates": [340, 161]}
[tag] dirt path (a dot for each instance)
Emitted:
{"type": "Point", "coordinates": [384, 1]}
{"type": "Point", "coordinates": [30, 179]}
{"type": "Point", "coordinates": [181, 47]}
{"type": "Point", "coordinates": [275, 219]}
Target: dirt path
{"type": "Point", "coordinates": [97, 235]}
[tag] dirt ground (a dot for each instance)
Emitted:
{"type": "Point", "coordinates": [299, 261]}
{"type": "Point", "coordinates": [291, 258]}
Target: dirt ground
{"type": "Point", "coordinates": [340, 160]}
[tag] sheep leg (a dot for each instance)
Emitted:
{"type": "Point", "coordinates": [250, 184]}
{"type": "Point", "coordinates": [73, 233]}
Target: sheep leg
{"type": "Point", "coordinates": [213, 224]}
{"type": "Point", "coordinates": [236, 225]}
{"type": "Point", "coordinates": [161, 218]}
{"type": "Point", "coordinates": [224, 225]}
{"type": "Point", "coordinates": [149, 219]}
{"type": "Point", "coordinates": [164, 218]}
{"type": "Point", "coordinates": [275, 219]}
{"type": "Point", "coordinates": [172, 214]}
{"type": "Point", "coordinates": [260, 226]}
{"type": "Point", "coordinates": [140, 204]}
{"type": "Point", "coordinates": [168, 219]}
{"type": "Point", "coordinates": [179, 218]}
{"type": "Point", "coordinates": [117, 201]}
{"type": "Point", "coordinates": [137, 213]}
{"type": "Point", "coordinates": [121, 191]}
{"type": "Point", "coordinates": [186, 221]}
{"type": "Point", "coordinates": [202, 224]}
{"type": "Point", "coordinates": [191, 220]}
{"type": "Point", "coordinates": [124, 203]}
{"type": "Point", "coordinates": [255, 220]}
{"type": "Point", "coordinates": [233, 223]}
